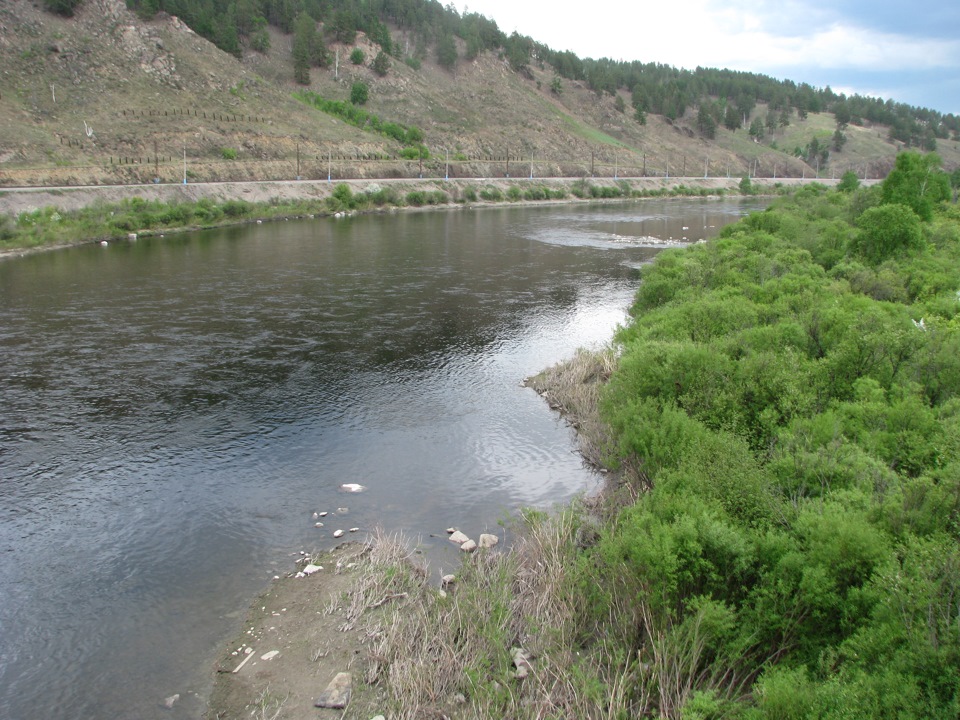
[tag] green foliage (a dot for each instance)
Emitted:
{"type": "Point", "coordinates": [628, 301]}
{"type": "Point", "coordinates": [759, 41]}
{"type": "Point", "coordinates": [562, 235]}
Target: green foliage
{"type": "Point", "coordinates": [62, 7]}
{"type": "Point", "coordinates": [447, 52]}
{"type": "Point", "coordinates": [410, 136]}
{"type": "Point", "coordinates": [359, 93]}
{"type": "Point", "coordinates": [888, 231]}
{"type": "Point", "coordinates": [228, 153]}
{"type": "Point", "coordinates": [357, 57]}
{"type": "Point", "coordinates": [848, 182]}
{"type": "Point", "coordinates": [745, 186]}
{"type": "Point", "coordinates": [381, 64]}
{"type": "Point", "coordinates": [418, 198]}
{"type": "Point", "coordinates": [917, 182]}
{"type": "Point", "coordinates": [798, 433]}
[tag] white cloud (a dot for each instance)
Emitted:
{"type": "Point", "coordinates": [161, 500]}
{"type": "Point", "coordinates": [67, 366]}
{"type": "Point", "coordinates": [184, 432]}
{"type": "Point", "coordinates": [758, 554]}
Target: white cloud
{"type": "Point", "coordinates": [784, 39]}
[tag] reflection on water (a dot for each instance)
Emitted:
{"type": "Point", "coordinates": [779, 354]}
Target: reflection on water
{"type": "Point", "coordinates": [173, 411]}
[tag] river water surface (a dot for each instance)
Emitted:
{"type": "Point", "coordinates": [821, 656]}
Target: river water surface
{"type": "Point", "coordinates": [174, 410]}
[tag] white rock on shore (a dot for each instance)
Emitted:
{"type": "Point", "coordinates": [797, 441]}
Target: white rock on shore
{"type": "Point", "coordinates": [458, 537]}
{"type": "Point", "coordinates": [488, 541]}
{"type": "Point", "coordinates": [469, 546]}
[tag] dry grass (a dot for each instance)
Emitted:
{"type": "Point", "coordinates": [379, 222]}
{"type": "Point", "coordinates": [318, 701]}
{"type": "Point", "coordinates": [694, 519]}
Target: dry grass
{"type": "Point", "coordinates": [573, 388]}
{"type": "Point", "coordinates": [448, 654]}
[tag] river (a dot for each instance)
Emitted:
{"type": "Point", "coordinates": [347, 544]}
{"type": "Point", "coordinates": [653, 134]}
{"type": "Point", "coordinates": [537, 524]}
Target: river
{"type": "Point", "coordinates": [173, 410]}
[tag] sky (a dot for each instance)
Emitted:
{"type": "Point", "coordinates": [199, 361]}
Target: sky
{"type": "Point", "coordinates": [905, 51]}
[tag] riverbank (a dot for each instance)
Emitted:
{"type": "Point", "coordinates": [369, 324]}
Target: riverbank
{"type": "Point", "coordinates": [33, 219]}
{"type": "Point", "coordinates": [415, 647]}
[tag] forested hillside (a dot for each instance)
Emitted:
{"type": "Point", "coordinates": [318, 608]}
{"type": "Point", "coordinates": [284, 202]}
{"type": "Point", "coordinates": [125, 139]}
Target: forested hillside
{"type": "Point", "coordinates": [722, 96]}
{"type": "Point", "coordinates": [106, 91]}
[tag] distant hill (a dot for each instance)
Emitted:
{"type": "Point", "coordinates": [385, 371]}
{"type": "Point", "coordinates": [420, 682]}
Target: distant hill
{"type": "Point", "coordinates": [106, 95]}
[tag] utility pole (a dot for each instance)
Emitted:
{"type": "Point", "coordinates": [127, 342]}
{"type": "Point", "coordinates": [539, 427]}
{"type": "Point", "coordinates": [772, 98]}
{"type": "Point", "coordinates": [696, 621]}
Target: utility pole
{"type": "Point", "coordinates": [531, 166]}
{"type": "Point", "coordinates": [156, 163]}
{"type": "Point", "coordinates": [184, 163]}
{"type": "Point", "coordinates": [616, 165]}
{"type": "Point", "coordinates": [329, 165]}
{"type": "Point", "coordinates": [336, 65]}
{"type": "Point", "coordinates": [706, 168]}
{"type": "Point", "coordinates": [446, 168]}
{"type": "Point", "coordinates": [298, 161]}
{"type": "Point", "coordinates": [644, 164]}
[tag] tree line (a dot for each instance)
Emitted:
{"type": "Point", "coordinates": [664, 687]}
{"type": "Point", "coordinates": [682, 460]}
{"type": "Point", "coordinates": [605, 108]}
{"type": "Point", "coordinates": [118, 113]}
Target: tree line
{"type": "Point", "coordinates": [720, 96]}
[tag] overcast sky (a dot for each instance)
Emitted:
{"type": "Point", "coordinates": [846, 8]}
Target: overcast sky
{"type": "Point", "coordinates": [907, 51]}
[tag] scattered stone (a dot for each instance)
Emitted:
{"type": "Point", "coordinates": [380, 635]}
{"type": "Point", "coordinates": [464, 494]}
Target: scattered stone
{"type": "Point", "coordinates": [131, 236]}
{"type": "Point", "coordinates": [353, 487]}
{"type": "Point", "coordinates": [311, 569]}
{"type": "Point", "coordinates": [460, 699]}
{"type": "Point", "coordinates": [451, 531]}
{"type": "Point", "coordinates": [270, 655]}
{"type": "Point", "coordinates": [378, 717]}
{"type": "Point", "coordinates": [337, 694]}
{"type": "Point", "coordinates": [354, 529]}
{"type": "Point", "coordinates": [458, 537]}
{"type": "Point", "coordinates": [316, 515]}
{"type": "Point", "coordinates": [318, 524]}
{"type": "Point", "coordinates": [442, 593]}
{"type": "Point", "coordinates": [469, 546]}
{"type": "Point", "coordinates": [338, 533]}
{"type": "Point", "coordinates": [104, 243]}
{"type": "Point", "coordinates": [323, 514]}
{"type": "Point", "coordinates": [169, 702]}
{"type": "Point", "coordinates": [488, 541]}
{"type": "Point", "coordinates": [342, 511]}
{"type": "Point", "coordinates": [448, 580]}
{"type": "Point", "coordinates": [521, 661]}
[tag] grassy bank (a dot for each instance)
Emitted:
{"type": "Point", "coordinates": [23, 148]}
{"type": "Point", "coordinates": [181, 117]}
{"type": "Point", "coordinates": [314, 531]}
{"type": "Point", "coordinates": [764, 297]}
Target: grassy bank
{"type": "Point", "coordinates": [785, 542]}
{"type": "Point", "coordinates": [53, 226]}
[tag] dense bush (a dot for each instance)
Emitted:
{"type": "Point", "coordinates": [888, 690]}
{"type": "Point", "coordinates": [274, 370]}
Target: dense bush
{"type": "Point", "coordinates": [791, 392]}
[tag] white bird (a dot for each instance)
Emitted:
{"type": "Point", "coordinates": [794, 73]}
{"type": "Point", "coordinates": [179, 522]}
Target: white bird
{"type": "Point", "coordinates": [352, 487]}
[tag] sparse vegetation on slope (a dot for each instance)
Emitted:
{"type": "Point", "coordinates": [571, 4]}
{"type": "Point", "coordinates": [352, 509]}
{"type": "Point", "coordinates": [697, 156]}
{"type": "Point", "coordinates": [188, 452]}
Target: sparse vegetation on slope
{"type": "Point", "coordinates": [106, 96]}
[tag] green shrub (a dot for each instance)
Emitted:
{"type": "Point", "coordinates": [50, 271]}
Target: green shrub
{"type": "Point", "coordinates": [359, 93]}
{"type": "Point", "coordinates": [357, 56]}
{"type": "Point", "coordinates": [491, 194]}
{"type": "Point", "coordinates": [416, 198]}
{"type": "Point", "coordinates": [888, 231]}
{"type": "Point", "coordinates": [228, 153]}
{"type": "Point", "coordinates": [514, 193]}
